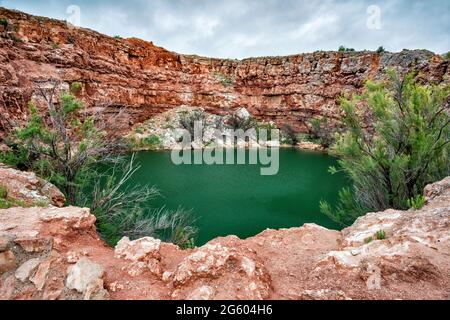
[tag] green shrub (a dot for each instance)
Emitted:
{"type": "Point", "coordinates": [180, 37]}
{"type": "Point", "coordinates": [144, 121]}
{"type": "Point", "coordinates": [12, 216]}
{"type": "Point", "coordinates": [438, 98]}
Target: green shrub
{"type": "Point", "coordinates": [368, 240]}
{"type": "Point", "coordinates": [69, 155]}
{"type": "Point", "coordinates": [416, 203]}
{"type": "Point", "coordinates": [406, 148]}
{"type": "Point", "coordinates": [321, 132]}
{"type": "Point", "coordinates": [152, 142]}
{"type": "Point", "coordinates": [139, 130]}
{"type": "Point", "coordinates": [76, 87]}
{"type": "Point", "coordinates": [125, 210]}
{"type": "Point", "coordinates": [289, 135]}
{"type": "Point", "coordinates": [188, 120]}
{"type": "Point", "coordinates": [9, 203]}
{"type": "Point", "coordinates": [380, 235]}
{"type": "Point", "coordinates": [117, 37]}
{"type": "Point", "coordinates": [4, 22]}
{"type": "Point", "coordinates": [224, 80]}
{"type": "Point", "coordinates": [68, 161]}
{"type": "Point", "coordinates": [344, 49]}
{"type": "Point", "coordinates": [236, 122]}
{"type": "Point", "coordinates": [381, 50]}
{"type": "Point", "coordinates": [55, 45]}
{"type": "Point", "coordinates": [5, 204]}
{"type": "Point", "coordinates": [268, 127]}
{"type": "Point", "coordinates": [3, 192]}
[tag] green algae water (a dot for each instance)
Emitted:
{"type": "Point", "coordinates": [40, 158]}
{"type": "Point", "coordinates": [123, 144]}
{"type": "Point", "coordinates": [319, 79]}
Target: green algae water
{"type": "Point", "coordinates": [236, 199]}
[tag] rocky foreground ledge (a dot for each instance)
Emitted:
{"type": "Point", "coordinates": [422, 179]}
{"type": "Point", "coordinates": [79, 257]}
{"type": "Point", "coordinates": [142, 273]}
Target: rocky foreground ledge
{"type": "Point", "coordinates": [56, 253]}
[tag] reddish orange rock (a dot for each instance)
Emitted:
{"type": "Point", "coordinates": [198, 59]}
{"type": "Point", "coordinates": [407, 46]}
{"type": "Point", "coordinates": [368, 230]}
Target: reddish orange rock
{"type": "Point", "coordinates": [130, 80]}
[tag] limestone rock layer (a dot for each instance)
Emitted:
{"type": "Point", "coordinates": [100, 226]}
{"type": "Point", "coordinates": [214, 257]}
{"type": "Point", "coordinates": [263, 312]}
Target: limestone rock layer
{"type": "Point", "coordinates": [128, 81]}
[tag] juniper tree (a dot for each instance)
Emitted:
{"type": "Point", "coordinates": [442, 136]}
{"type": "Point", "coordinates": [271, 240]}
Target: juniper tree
{"type": "Point", "coordinates": [406, 148]}
{"type": "Point", "coordinates": [59, 144]}
{"type": "Point", "coordinates": [67, 148]}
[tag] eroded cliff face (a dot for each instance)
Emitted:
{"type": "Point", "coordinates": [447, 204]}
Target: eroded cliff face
{"type": "Point", "coordinates": [55, 253]}
{"type": "Point", "coordinates": [130, 80]}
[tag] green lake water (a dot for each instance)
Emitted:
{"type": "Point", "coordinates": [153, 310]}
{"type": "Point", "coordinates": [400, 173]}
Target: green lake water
{"type": "Point", "coordinates": [236, 199]}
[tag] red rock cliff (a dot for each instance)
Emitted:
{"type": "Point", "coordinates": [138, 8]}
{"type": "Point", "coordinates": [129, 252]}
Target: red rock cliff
{"type": "Point", "coordinates": [141, 79]}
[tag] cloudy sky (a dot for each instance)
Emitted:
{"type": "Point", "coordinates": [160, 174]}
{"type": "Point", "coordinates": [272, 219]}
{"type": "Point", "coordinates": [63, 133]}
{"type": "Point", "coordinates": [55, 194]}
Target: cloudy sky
{"type": "Point", "coordinates": [248, 28]}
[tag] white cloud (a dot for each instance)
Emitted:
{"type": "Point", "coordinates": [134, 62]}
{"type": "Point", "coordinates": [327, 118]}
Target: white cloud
{"type": "Point", "coordinates": [242, 28]}
{"type": "Point", "coordinates": [206, 26]}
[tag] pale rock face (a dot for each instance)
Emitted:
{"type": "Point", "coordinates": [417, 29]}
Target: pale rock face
{"type": "Point", "coordinates": [40, 277]}
{"type": "Point", "coordinates": [26, 270]}
{"type": "Point", "coordinates": [83, 275]}
{"type": "Point", "coordinates": [4, 243]}
{"type": "Point", "coordinates": [214, 263]}
{"type": "Point", "coordinates": [437, 189]}
{"type": "Point", "coordinates": [34, 244]}
{"type": "Point", "coordinates": [143, 253]}
{"type": "Point", "coordinates": [243, 113]}
{"type": "Point", "coordinates": [201, 293]}
{"type": "Point", "coordinates": [95, 291]}
{"type": "Point", "coordinates": [71, 217]}
{"type": "Point", "coordinates": [27, 187]}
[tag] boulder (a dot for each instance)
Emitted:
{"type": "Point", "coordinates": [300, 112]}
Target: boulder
{"type": "Point", "coordinates": [7, 261]}
{"type": "Point", "coordinates": [144, 255]}
{"type": "Point", "coordinates": [232, 270]}
{"type": "Point", "coordinates": [26, 270]}
{"type": "Point", "coordinates": [28, 188]}
{"type": "Point", "coordinates": [86, 277]}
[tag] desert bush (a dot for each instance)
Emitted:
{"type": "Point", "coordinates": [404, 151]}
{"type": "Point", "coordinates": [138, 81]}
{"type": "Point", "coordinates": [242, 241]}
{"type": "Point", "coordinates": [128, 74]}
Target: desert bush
{"type": "Point", "coordinates": [124, 210]}
{"type": "Point", "coordinates": [76, 87]}
{"type": "Point", "coordinates": [151, 142]}
{"type": "Point", "coordinates": [265, 127]}
{"type": "Point", "coordinates": [140, 130]}
{"type": "Point", "coordinates": [188, 121]}
{"type": "Point", "coordinates": [4, 22]}
{"type": "Point", "coordinates": [68, 151]}
{"type": "Point", "coordinates": [380, 235]}
{"type": "Point", "coordinates": [417, 202]}
{"type": "Point", "coordinates": [290, 136]}
{"type": "Point", "coordinates": [344, 49]}
{"type": "Point", "coordinates": [322, 132]}
{"type": "Point", "coordinates": [236, 122]}
{"type": "Point", "coordinates": [63, 150]}
{"type": "Point", "coordinates": [381, 50]}
{"type": "Point", "coordinates": [223, 79]}
{"type": "Point", "coordinates": [3, 192]}
{"type": "Point", "coordinates": [406, 148]}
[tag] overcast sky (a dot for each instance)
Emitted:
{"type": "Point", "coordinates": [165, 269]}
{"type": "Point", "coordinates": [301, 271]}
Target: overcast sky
{"type": "Point", "coordinates": [248, 28]}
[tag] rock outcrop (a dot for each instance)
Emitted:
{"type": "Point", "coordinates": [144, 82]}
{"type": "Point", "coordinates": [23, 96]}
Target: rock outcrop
{"type": "Point", "coordinates": [29, 189]}
{"type": "Point", "coordinates": [56, 253]}
{"type": "Point", "coordinates": [130, 80]}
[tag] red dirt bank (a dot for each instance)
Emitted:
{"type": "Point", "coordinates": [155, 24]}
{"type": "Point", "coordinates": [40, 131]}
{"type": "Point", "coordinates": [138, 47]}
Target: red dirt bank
{"type": "Point", "coordinates": [55, 253]}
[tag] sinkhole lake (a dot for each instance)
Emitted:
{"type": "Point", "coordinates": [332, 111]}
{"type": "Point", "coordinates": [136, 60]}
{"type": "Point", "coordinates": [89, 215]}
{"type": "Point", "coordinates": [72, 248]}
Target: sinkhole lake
{"type": "Point", "coordinates": [236, 199]}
